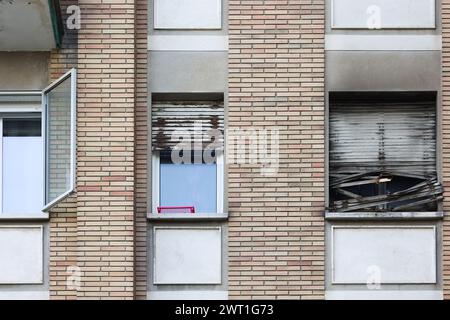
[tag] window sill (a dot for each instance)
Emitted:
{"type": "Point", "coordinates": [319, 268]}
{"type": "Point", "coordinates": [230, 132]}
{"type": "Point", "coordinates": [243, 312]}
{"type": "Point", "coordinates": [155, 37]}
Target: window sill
{"type": "Point", "coordinates": [384, 215]}
{"type": "Point", "coordinates": [187, 216]}
{"type": "Point", "coordinates": [28, 217]}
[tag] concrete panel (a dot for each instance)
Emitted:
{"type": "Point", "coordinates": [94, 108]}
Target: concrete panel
{"type": "Point", "coordinates": [384, 295]}
{"type": "Point", "coordinates": [25, 70]}
{"type": "Point", "coordinates": [24, 295]}
{"type": "Point", "coordinates": [187, 14]}
{"type": "Point", "coordinates": [182, 71]}
{"type": "Point", "coordinates": [402, 14]}
{"type": "Point", "coordinates": [188, 295]}
{"type": "Point", "coordinates": [187, 43]}
{"type": "Point", "coordinates": [21, 254]}
{"type": "Point", "coordinates": [187, 255]}
{"type": "Point", "coordinates": [383, 254]}
{"type": "Point", "coordinates": [383, 70]}
{"type": "Point", "coordinates": [346, 42]}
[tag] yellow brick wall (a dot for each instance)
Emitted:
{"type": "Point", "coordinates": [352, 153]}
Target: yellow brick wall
{"type": "Point", "coordinates": [276, 79]}
{"type": "Point", "coordinates": [105, 128]}
{"type": "Point", "coordinates": [141, 135]}
{"type": "Point", "coordinates": [63, 221]}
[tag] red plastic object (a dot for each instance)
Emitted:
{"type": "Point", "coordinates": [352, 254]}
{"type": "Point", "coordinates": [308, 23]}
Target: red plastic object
{"type": "Point", "coordinates": [177, 209]}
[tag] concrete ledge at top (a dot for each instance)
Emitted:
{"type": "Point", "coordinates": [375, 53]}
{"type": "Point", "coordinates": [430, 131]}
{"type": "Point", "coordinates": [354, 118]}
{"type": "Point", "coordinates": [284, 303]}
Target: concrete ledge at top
{"type": "Point", "coordinates": [383, 295]}
{"type": "Point", "coordinates": [24, 295]}
{"type": "Point", "coordinates": [383, 215]}
{"type": "Point", "coordinates": [188, 43]}
{"type": "Point", "coordinates": [26, 25]}
{"type": "Point", "coordinates": [187, 295]}
{"type": "Point", "coordinates": [338, 42]}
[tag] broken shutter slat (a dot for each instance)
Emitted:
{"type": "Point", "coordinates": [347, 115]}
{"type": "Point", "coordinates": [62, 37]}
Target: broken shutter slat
{"type": "Point", "coordinates": [201, 121]}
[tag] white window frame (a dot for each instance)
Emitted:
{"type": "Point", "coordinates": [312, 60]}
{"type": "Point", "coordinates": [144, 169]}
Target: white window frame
{"type": "Point", "coordinates": [156, 192]}
{"type": "Point", "coordinates": [15, 110]}
{"type": "Point", "coordinates": [73, 75]}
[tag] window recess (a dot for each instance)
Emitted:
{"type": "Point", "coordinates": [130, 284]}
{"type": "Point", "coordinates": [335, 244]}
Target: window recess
{"type": "Point", "coordinates": [382, 152]}
{"type": "Point", "coordinates": [187, 144]}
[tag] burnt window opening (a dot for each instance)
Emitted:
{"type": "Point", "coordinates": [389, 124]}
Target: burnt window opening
{"type": "Point", "coordinates": [382, 152]}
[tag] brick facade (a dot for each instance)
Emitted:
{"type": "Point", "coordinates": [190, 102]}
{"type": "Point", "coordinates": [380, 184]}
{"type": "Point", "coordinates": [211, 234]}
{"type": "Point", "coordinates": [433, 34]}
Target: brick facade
{"type": "Point", "coordinates": [276, 236]}
{"type": "Point", "coordinates": [276, 79]}
{"type": "Point", "coordinates": [141, 143]}
{"type": "Point", "coordinates": [94, 230]}
{"type": "Point", "coordinates": [105, 128]}
{"type": "Point", "coordinates": [445, 143]}
{"type": "Point", "coordinates": [63, 218]}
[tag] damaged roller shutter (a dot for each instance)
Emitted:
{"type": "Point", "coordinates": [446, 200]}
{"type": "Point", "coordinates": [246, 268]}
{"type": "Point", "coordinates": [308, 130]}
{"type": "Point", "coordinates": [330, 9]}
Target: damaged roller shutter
{"type": "Point", "coordinates": [383, 152]}
{"type": "Point", "coordinates": [201, 122]}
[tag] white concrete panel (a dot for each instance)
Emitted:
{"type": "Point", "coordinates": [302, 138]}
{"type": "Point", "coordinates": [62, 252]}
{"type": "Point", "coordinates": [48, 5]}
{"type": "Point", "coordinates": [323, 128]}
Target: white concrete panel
{"type": "Point", "coordinates": [187, 14]}
{"type": "Point", "coordinates": [187, 43]}
{"type": "Point", "coordinates": [384, 295]}
{"type": "Point", "coordinates": [369, 14]}
{"type": "Point", "coordinates": [24, 295]}
{"type": "Point", "coordinates": [21, 254]}
{"type": "Point", "coordinates": [187, 255]}
{"type": "Point", "coordinates": [386, 255]}
{"type": "Point", "coordinates": [188, 295]}
{"type": "Point", "coordinates": [338, 42]}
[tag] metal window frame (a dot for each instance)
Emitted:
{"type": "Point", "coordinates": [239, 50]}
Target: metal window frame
{"type": "Point", "coordinates": [72, 74]}
{"type": "Point", "coordinates": [219, 190]}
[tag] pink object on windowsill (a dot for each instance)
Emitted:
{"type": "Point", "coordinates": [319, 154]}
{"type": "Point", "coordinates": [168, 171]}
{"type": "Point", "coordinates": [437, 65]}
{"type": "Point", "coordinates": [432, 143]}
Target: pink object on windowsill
{"type": "Point", "coordinates": [177, 209]}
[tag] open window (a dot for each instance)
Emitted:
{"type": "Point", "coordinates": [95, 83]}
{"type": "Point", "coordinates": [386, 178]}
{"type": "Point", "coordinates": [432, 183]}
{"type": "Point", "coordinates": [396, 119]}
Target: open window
{"type": "Point", "coordinates": [383, 152]}
{"type": "Point", "coordinates": [187, 155]}
{"type": "Point", "coordinates": [58, 127]}
{"type": "Point", "coordinates": [37, 148]}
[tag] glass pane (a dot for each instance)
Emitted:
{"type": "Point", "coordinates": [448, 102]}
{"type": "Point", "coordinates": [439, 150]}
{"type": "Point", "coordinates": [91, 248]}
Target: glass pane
{"type": "Point", "coordinates": [28, 127]}
{"type": "Point", "coordinates": [23, 176]}
{"type": "Point", "coordinates": [58, 141]}
{"type": "Point", "coordinates": [189, 185]}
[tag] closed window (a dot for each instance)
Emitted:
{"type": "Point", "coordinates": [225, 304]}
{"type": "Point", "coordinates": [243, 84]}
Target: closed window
{"type": "Point", "coordinates": [187, 144]}
{"type": "Point", "coordinates": [192, 184]}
